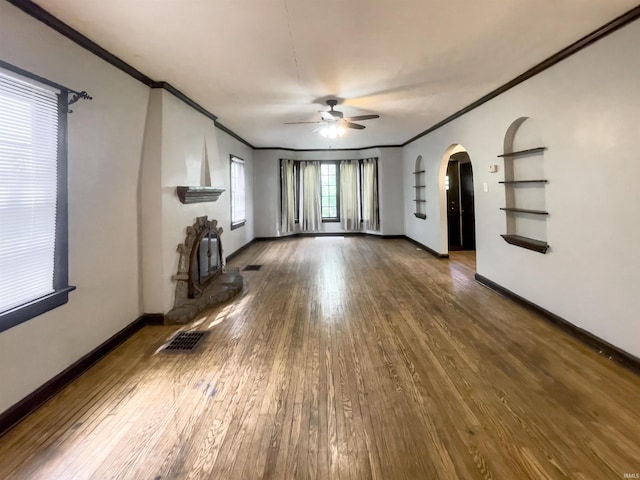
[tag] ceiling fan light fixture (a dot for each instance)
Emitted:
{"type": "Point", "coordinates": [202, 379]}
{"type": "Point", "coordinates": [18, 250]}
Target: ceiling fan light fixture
{"type": "Point", "coordinates": [332, 131]}
{"type": "Point", "coordinates": [334, 124]}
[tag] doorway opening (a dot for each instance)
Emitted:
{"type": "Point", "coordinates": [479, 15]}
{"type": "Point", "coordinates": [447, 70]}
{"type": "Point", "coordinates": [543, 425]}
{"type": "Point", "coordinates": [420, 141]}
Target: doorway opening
{"type": "Point", "coordinates": [457, 206]}
{"type": "Point", "coordinates": [461, 230]}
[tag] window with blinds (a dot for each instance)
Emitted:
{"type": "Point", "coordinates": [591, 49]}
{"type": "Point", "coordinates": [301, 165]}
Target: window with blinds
{"type": "Point", "coordinates": [237, 193]}
{"type": "Point", "coordinates": [29, 136]}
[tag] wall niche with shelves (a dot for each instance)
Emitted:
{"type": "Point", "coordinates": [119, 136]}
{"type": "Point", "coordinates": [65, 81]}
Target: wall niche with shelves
{"type": "Point", "coordinates": [419, 186]}
{"type": "Point", "coordinates": [524, 184]}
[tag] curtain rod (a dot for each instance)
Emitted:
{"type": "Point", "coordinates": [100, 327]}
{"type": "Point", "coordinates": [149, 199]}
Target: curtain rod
{"type": "Point", "coordinates": [336, 160]}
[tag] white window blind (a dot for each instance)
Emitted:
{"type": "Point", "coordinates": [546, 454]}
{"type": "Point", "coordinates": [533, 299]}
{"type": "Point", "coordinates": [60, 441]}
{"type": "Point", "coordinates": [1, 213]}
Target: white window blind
{"type": "Point", "coordinates": [237, 191]}
{"type": "Point", "coordinates": [28, 190]}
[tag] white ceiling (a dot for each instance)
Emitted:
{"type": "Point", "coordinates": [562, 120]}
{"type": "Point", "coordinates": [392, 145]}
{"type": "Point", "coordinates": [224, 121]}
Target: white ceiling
{"type": "Point", "coordinates": [259, 63]}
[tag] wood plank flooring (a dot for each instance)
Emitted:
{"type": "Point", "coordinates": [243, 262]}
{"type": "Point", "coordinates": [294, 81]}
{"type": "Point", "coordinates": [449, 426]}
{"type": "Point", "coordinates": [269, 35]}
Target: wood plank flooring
{"type": "Point", "coordinates": [344, 358]}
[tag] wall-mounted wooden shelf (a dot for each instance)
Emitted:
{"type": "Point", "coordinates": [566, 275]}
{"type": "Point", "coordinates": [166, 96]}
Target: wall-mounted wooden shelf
{"type": "Point", "coordinates": [420, 171]}
{"type": "Point", "coordinates": [511, 182]}
{"type": "Point", "coordinates": [198, 194]}
{"type": "Point", "coordinates": [528, 243]}
{"type": "Point", "coordinates": [529, 151]}
{"type": "Point", "coordinates": [420, 201]}
{"type": "Point", "coordinates": [524, 210]}
{"type": "Point", "coordinates": [419, 186]}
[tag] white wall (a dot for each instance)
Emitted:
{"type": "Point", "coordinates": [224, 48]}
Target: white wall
{"type": "Point", "coordinates": [150, 207]}
{"type": "Point", "coordinates": [105, 145]}
{"type": "Point", "coordinates": [267, 187]}
{"type": "Point", "coordinates": [110, 191]}
{"type": "Point", "coordinates": [586, 110]}
{"type": "Point", "coordinates": [232, 240]}
{"type": "Point", "coordinates": [184, 134]}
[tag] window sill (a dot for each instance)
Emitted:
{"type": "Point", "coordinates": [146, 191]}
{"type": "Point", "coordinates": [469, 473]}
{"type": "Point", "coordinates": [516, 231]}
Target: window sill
{"type": "Point", "coordinates": [238, 225]}
{"type": "Point", "coordinates": [25, 312]}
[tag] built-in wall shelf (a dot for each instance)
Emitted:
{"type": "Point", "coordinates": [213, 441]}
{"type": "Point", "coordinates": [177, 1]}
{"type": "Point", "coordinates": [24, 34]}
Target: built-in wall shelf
{"type": "Point", "coordinates": [419, 188]}
{"type": "Point", "coordinates": [520, 153]}
{"type": "Point", "coordinates": [524, 210]}
{"type": "Point", "coordinates": [524, 207]}
{"type": "Point", "coordinates": [511, 182]}
{"type": "Point", "coordinates": [528, 243]}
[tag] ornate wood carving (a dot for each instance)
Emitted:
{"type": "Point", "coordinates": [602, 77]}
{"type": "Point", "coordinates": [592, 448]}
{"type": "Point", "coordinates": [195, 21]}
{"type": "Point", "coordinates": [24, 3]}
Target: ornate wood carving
{"type": "Point", "coordinates": [187, 285]}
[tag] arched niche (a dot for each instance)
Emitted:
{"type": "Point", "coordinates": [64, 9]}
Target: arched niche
{"type": "Point", "coordinates": [419, 186]}
{"type": "Point", "coordinates": [524, 184]}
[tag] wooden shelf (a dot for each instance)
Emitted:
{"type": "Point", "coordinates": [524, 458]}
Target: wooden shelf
{"type": "Point", "coordinates": [420, 215]}
{"type": "Point", "coordinates": [509, 182]}
{"type": "Point", "coordinates": [529, 151]}
{"type": "Point", "coordinates": [420, 171]}
{"type": "Point", "coordinates": [528, 243]}
{"type": "Point", "coordinates": [524, 210]}
{"type": "Point", "coordinates": [198, 194]}
{"type": "Point", "coordinates": [419, 186]}
{"type": "Point", "coordinates": [420, 201]}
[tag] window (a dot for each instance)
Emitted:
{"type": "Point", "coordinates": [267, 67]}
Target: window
{"type": "Point", "coordinates": [313, 192]}
{"type": "Point", "coordinates": [33, 204]}
{"type": "Point", "coordinates": [237, 193]}
{"type": "Point", "coordinates": [329, 194]}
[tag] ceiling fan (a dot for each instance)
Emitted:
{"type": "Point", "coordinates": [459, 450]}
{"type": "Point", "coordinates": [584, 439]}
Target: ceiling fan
{"type": "Point", "coordinates": [333, 122]}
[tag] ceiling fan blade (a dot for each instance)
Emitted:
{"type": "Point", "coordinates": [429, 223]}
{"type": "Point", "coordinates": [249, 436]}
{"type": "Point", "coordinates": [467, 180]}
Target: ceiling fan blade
{"type": "Point", "coordinates": [362, 117]}
{"type": "Point", "coordinates": [297, 123]}
{"type": "Point", "coordinates": [354, 125]}
{"type": "Point", "coordinates": [327, 116]}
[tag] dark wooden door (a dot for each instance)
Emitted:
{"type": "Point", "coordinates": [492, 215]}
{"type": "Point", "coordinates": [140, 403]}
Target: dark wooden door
{"type": "Point", "coordinates": [453, 206]}
{"type": "Point", "coordinates": [467, 207]}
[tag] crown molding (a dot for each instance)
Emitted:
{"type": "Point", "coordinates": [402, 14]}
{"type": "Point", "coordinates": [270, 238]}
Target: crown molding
{"type": "Point", "coordinates": [575, 47]}
{"type": "Point", "coordinates": [48, 19]}
{"type": "Point", "coordinates": [40, 14]}
{"type": "Point", "coordinates": [178, 94]}
{"type": "Point", "coordinates": [326, 149]}
{"type": "Point", "coordinates": [234, 135]}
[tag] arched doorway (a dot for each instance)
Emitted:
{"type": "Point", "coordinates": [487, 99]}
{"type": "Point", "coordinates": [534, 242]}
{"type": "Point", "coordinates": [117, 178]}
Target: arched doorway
{"type": "Point", "coordinates": [457, 200]}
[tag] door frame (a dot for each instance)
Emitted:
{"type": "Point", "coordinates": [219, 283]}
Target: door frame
{"type": "Point", "coordinates": [444, 162]}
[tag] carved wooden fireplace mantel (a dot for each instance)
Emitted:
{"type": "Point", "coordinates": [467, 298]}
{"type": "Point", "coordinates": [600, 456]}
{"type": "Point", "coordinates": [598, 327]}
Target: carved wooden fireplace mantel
{"type": "Point", "coordinates": [202, 280]}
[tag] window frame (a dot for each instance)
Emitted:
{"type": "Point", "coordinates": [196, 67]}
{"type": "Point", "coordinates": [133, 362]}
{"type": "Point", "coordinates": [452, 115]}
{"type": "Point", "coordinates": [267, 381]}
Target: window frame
{"type": "Point", "coordinates": [60, 284]}
{"type": "Point", "coordinates": [335, 219]}
{"type": "Point", "coordinates": [360, 172]}
{"type": "Point", "coordinates": [238, 223]}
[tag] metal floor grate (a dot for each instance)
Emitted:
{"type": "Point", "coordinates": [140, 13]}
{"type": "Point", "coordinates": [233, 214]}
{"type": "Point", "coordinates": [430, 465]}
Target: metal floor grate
{"type": "Point", "coordinates": [184, 342]}
{"type": "Point", "coordinates": [252, 267]}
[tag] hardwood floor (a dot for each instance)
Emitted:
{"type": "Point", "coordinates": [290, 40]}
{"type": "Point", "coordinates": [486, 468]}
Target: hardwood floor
{"type": "Point", "coordinates": [349, 358]}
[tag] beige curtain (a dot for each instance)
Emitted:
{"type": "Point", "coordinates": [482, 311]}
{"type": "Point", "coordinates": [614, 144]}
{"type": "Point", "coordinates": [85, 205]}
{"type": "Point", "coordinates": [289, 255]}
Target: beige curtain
{"type": "Point", "coordinates": [349, 205]}
{"type": "Point", "coordinates": [370, 194]}
{"type": "Point", "coordinates": [311, 215]}
{"type": "Point", "coordinates": [287, 215]}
